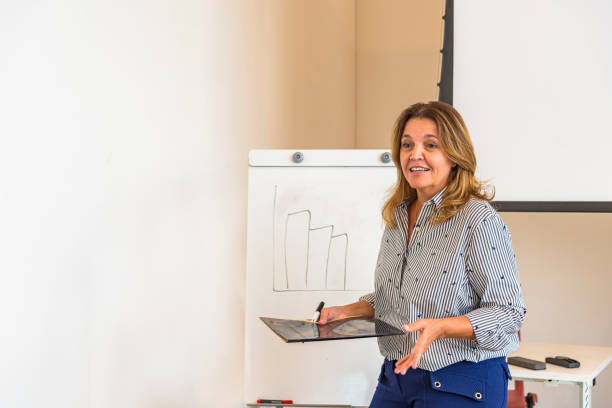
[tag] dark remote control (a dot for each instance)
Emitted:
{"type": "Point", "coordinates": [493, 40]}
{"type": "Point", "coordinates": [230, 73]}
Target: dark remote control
{"type": "Point", "coordinates": [527, 363]}
{"type": "Point", "coordinates": [563, 361]}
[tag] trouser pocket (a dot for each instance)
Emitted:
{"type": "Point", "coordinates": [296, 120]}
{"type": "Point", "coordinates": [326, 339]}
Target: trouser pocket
{"type": "Point", "coordinates": [468, 384]}
{"type": "Point", "coordinates": [506, 370]}
{"type": "Point", "coordinates": [386, 378]}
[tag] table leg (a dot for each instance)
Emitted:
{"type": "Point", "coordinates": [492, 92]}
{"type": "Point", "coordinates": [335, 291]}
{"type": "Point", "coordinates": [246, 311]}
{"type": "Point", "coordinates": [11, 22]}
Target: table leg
{"type": "Point", "coordinates": [585, 388]}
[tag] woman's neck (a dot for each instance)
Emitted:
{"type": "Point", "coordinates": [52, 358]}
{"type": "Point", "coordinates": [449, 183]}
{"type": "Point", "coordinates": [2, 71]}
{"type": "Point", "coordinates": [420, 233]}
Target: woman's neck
{"type": "Point", "coordinates": [422, 197]}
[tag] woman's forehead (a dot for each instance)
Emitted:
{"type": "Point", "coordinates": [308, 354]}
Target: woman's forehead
{"type": "Point", "coordinates": [420, 126]}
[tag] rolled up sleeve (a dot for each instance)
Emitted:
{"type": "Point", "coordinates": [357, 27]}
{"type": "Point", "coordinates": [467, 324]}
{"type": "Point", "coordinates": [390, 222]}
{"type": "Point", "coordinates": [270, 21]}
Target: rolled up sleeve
{"type": "Point", "coordinates": [369, 297]}
{"type": "Point", "coordinates": [493, 274]}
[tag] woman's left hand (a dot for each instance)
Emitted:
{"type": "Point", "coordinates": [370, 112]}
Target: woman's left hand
{"type": "Point", "coordinates": [428, 330]}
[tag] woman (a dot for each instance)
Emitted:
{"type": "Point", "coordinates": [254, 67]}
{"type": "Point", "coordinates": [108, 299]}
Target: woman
{"type": "Point", "coordinates": [446, 274]}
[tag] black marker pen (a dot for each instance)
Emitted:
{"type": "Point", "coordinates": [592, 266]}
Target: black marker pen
{"type": "Point", "coordinates": [317, 313]}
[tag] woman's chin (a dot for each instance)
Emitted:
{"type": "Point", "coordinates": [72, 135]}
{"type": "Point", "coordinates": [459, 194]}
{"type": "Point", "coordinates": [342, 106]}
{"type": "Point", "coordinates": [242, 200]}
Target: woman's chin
{"type": "Point", "coordinates": [417, 183]}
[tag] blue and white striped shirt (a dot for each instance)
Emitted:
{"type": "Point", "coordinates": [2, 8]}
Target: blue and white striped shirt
{"type": "Point", "coordinates": [462, 267]}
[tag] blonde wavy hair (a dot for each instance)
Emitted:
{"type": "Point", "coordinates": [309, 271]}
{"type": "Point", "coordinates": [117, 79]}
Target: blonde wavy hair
{"type": "Point", "coordinates": [456, 144]}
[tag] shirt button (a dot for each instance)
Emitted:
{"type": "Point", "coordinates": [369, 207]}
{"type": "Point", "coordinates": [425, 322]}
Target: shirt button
{"type": "Point", "coordinates": [417, 229]}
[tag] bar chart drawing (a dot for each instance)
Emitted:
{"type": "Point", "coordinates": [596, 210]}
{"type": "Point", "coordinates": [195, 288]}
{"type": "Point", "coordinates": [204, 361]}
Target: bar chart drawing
{"type": "Point", "coordinates": [315, 255]}
{"type": "Point", "coordinates": [319, 242]}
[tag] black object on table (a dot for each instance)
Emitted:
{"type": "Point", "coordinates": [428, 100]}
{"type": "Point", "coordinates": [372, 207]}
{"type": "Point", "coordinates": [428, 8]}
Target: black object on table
{"type": "Point", "coordinates": [527, 363]}
{"type": "Point", "coordinates": [563, 361]}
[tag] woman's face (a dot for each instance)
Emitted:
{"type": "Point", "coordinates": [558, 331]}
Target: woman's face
{"type": "Point", "coordinates": [425, 166]}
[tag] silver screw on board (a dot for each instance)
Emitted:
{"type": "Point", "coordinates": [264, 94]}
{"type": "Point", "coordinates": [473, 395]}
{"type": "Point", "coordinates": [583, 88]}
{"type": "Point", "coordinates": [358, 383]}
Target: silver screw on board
{"type": "Point", "coordinates": [298, 157]}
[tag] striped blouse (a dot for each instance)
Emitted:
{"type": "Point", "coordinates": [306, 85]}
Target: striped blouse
{"type": "Point", "coordinates": [464, 266]}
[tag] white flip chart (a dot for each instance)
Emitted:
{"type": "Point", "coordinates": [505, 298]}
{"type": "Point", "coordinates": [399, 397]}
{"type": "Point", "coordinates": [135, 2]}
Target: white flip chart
{"type": "Point", "coordinates": [314, 231]}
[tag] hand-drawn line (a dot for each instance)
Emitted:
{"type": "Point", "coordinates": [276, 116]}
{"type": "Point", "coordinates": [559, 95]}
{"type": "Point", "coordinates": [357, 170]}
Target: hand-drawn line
{"type": "Point", "coordinates": [274, 241]}
{"type": "Point", "coordinates": [345, 235]}
{"type": "Point", "coordinates": [332, 237]}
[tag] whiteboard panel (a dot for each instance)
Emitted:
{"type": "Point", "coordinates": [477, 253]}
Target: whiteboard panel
{"type": "Point", "coordinates": [532, 80]}
{"type": "Point", "coordinates": [313, 235]}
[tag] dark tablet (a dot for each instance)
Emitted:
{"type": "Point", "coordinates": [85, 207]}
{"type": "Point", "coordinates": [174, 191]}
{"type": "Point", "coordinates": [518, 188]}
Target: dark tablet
{"type": "Point", "coordinates": [293, 331]}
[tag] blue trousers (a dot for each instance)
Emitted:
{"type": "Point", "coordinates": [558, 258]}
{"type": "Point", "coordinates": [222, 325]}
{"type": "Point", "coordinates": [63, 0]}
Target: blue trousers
{"type": "Point", "coordinates": [460, 385]}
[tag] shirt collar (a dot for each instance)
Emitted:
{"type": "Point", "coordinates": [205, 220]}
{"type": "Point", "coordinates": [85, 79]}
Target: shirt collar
{"type": "Point", "coordinates": [435, 200]}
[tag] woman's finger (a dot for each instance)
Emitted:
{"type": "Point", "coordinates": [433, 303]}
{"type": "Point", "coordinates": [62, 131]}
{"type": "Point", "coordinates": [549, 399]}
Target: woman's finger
{"type": "Point", "coordinates": [422, 344]}
{"type": "Point", "coordinates": [329, 314]}
{"type": "Point", "coordinates": [404, 365]}
{"type": "Point", "coordinates": [323, 316]}
{"type": "Point", "coordinates": [410, 361]}
{"type": "Point", "coordinates": [415, 326]}
{"type": "Point", "coordinates": [416, 358]}
{"type": "Point", "coordinates": [401, 366]}
{"type": "Point", "coordinates": [400, 362]}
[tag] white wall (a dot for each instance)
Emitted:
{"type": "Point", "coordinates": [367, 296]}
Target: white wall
{"type": "Point", "coordinates": [563, 260]}
{"type": "Point", "coordinates": [123, 138]}
{"type": "Point", "coordinates": [306, 53]}
{"type": "Point", "coordinates": [398, 63]}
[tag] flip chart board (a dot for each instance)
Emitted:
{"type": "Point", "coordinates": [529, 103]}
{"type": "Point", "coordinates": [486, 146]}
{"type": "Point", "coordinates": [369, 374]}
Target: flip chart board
{"type": "Point", "coordinates": [314, 231]}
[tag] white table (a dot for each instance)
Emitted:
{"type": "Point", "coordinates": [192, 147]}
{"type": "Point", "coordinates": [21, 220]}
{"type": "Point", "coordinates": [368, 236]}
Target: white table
{"type": "Point", "coordinates": [592, 359]}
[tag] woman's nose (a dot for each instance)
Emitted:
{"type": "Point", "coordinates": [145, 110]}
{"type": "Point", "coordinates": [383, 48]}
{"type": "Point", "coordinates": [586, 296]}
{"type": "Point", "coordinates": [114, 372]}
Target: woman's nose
{"type": "Point", "coordinates": [416, 153]}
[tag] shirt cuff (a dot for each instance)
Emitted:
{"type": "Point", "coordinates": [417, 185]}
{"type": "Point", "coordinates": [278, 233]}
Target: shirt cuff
{"type": "Point", "coordinates": [368, 298]}
{"type": "Point", "coordinates": [489, 333]}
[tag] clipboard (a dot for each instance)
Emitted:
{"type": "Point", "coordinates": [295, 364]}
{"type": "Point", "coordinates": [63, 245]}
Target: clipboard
{"type": "Point", "coordinates": [300, 331]}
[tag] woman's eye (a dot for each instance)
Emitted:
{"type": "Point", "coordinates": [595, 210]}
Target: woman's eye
{"type": "Point", "coordinates": [432, 145]}
{"type": "Point", "coordinates": [406, 144]}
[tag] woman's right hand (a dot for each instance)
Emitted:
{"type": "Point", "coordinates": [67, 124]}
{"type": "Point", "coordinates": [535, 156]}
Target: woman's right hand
{"type": "Point", "coordinates": [329, 314]}
{"type": "Point", "coordinates": [359, 309]}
